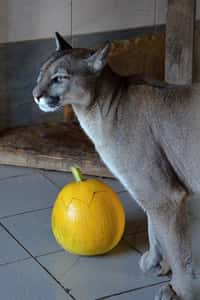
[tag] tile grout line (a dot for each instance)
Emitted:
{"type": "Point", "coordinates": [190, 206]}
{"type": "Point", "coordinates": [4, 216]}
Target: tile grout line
{"type": "Point", "coordinates": [133, 234]}
{"type": "Point", "coordinates": [25, 212]}
{"type": "Point", "coordinates": [132, 290]}
{"type": "Point", "coordinates": [16, 176]}
{"type": "Point", "coordinates": [67, 291]}
{"type": "Point", "coordinates": [14, 261]}
{"type": "Point", "coordinates": [102, 178]}
{"type": "Point", "coordinates": [26, 258]}
{"type": "Point", "coordinates": [138, 251]}
{"type": "Point", "coordinates": [49, 253]}
{"type": "Point", "coordinates": [50, 180]}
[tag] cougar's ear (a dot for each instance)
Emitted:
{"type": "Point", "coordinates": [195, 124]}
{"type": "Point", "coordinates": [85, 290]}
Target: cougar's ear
{"type": "Point", "coordinates": [98, 59]}
{"type": "Point", "coordinates": [61, 44]}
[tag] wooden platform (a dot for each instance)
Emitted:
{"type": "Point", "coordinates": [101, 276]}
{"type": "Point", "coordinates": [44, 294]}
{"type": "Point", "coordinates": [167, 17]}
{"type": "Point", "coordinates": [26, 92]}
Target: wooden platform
{"type": "Point", "coordinates": [50, 146]}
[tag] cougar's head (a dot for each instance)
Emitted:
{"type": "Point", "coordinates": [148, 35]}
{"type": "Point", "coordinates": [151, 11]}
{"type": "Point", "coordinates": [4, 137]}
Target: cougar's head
{"type": "Point", "coordinates": [68, 75]}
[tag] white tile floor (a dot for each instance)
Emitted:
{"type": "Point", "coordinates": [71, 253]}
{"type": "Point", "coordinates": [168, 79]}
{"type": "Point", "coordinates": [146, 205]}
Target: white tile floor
{"type": "Point", "coordinates": [34, 267]}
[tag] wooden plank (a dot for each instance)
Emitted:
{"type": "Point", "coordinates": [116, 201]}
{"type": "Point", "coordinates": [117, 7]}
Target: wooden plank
{"type": "Point", "coordinates": [52, 147]}
{"type": "Point", "coordinates": [179, 41]}
{"type": "Point", "coordinates": [68, 113]}
{"type": "Point", "coordinates": [139, 55]}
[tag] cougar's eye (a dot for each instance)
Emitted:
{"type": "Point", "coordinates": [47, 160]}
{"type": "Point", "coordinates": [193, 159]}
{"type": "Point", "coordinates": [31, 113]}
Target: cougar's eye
{"type": "Point", "coordinates": [59, 79]}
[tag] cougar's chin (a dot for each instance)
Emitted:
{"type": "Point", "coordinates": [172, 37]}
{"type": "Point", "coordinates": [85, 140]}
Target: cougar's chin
{"type": "Point", "coordinates": [47, 108]}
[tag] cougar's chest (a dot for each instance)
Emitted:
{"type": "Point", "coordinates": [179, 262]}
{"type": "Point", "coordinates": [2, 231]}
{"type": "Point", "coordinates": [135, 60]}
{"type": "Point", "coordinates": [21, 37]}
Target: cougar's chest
{"type": "Point", "coordinates": [98, 128]}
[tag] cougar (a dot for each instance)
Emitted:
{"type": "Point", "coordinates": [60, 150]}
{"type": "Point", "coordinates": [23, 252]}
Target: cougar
{"type": "Point", "coordinates": [148, 135]}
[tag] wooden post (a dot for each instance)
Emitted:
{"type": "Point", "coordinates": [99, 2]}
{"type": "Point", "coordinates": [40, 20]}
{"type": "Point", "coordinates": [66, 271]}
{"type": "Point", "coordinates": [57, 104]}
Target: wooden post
{"type": "Point", "coordinates": [68, 113]}
{"type": "Point", "coordinates": [179, 41]}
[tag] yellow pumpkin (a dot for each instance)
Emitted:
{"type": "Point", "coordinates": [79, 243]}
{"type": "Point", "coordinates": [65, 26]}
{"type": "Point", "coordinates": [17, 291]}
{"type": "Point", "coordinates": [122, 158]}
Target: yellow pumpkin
{"type": "Point", "coordinates": [88, 217]}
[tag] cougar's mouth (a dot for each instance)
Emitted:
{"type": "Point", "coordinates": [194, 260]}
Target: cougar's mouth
{"type": "Point", "coordinates": [48, 104]}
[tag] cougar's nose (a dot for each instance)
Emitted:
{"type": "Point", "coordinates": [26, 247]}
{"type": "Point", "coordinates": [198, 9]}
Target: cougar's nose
{"type": "Point", "coordinates": [37, 95]}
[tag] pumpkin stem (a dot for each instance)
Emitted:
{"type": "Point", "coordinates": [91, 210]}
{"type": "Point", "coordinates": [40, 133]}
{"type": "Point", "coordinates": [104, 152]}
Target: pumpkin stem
{"type": "Point", "coordinates": [77, 174]}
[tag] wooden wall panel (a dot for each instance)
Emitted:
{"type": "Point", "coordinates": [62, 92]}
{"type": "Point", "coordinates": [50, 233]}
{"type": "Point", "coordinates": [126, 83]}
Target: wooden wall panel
{"type": "Point", "coordinates": [179, 42]}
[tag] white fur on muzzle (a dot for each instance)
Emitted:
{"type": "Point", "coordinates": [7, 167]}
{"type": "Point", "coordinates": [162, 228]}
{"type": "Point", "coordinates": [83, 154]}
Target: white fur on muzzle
{"type": "Point", "coordinates": [44, 106]}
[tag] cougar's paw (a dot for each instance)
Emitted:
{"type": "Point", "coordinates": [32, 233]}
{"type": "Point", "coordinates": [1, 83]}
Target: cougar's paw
{"type": "Point", "coordinates": [187, 287]}
{"type": "Point", "coordinates": [151, 264]}
{"type": "Point", "coordinates": [166, 293]}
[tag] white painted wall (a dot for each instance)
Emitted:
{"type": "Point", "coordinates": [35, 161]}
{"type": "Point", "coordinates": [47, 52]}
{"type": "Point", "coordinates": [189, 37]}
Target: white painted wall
{"type": "Point", "coordinates": [105, 15]}
{"type": "Point", "coordinates": [33, 19]}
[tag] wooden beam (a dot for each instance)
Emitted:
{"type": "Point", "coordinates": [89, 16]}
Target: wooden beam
{"type": "Point", "coordinates": [51, 146]}
{"type": "Point", "coordinates": [179, 41]}
{"type": "Point", "coordinates": [68, 113]}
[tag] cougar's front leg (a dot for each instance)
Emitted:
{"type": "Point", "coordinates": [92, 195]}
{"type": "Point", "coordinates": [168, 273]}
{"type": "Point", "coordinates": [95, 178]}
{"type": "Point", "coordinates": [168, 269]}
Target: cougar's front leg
{"type": "Point", "coordinates": [171, 225]}
{"type": "Point", "coordinates": [153, 260]}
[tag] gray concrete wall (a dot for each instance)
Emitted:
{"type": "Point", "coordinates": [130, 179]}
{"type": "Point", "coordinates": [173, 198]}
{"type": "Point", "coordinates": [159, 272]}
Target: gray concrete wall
{"type": "Point", "coordinates": [19, 65]}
